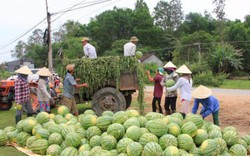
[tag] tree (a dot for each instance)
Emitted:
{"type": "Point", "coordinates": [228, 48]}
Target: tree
{"type": "Point", "coordinates": [20, 50]}
{"type": "Point", "coordinates": [226, 58]}
{"type": "Point", "coordinates": [36, 37]}
{"type": "Point", "coordinates": [168, 16]}
{"type": "Point", "coordinates": [220, 14]}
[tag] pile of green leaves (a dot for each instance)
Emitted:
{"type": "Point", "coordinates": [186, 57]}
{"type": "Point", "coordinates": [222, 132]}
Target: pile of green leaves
{"type": "Point", "coordinates": [103, 70]}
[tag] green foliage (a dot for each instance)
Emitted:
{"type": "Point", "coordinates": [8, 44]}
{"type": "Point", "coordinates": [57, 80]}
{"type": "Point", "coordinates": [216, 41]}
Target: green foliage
{"type": "Point", "coordinates": [4, 74]}
{"type": "Point", "coordinates": [152, 68]}
{"type": "Point", "coordinates": [208, 79]}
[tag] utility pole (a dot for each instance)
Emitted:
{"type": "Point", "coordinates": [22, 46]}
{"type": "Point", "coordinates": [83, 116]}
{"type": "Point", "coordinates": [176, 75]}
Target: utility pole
{"type": "Point", "coordinates": [199, 51]}
{"type": "Point", "coordinates": [50, 63]}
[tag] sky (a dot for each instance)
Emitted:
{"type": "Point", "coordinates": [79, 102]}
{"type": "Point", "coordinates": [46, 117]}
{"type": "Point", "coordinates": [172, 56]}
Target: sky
{"type": "Point", "coordinates": [19, 16]}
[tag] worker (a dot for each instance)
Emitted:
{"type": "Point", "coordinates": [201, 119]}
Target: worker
{"type": "Point", "coordinates": [158, 89]}
{"type": "Point", "coordinates": [22, 93]}
{"type": "Point", "coordinates": [43, 90]}
{"type": "Point", "coordinates": [130, 47]}
{"type": "Point", "coordinates": [210, 104]}
{"type": "Point", "coordinates": [69, 86]}
{"type": "Point", "coordinates": [171, 97]}
{"type": "Point", "coordinates": [185, 84]}
{"type": "Point", "coordinates": [88, 49]}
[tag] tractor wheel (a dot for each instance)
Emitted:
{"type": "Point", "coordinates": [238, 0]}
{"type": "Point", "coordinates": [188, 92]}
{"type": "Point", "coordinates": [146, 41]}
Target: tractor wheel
{"type": "Point", "coordinates": [33, 100]}
{"type": "Point", "coordinates": [108, 99]}
{"type": "Point", "coordinates": [4, 106]}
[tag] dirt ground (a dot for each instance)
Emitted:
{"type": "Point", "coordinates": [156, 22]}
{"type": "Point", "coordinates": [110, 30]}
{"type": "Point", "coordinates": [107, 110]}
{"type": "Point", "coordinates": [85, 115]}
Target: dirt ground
{"type": "Point", "coordinates": [234, 107]}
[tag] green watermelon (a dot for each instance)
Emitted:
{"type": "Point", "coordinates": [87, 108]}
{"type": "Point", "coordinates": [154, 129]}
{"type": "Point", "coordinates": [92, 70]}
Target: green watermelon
{"type": "Point", "coordinates": [84, 153]}
{"type": "Point", "coordinates": [81, 132]}
{"type": "Point", "coordinates": [66, 130]}
{"type": "Point", "coordinates": [92, 131]}
{"type": "Point", "coordinates": [95, 150]}
{"type": "Point", "coordinates": [171, 151]}
{"type": "Point", "coordinates": [21, 138]}
{"type": "Point", "coordinates": [189, 128]}
{"type": "Point", "coordinates": [55, 138]}
{"type": "Point", "coordinates": [152, 149]}
{"type": "Point", "coordinates": [54, 128]}
{"type": "Point", "coordinates": [62, 110]}
{"type": "Point", "coordinates": [238, 150]}
{"type": "Point", "coordinates": [9, 129]}
{"type": "Point", "coordinates": [133, 133]}
{"type": "Point", "coordinates": [200, 136]}
{"type": "Point", "coordinates": [3, 138]}
{"type": "Point", "coordinates": [53, 150]}
{"type": "Point", "coordinates": [85, 147]}
{"type": "Point", "coordinates": [174, 129]}
{"type": "Point", "coordinates": [153, 116]}
{"type": "Point", "coordinates": [138, 54]}
{"type": "Point", "coordinates": [148, 137]}
{"type": "Point", "coordinates": [42, 117]}
{"type": "Point", "coordinates": [103, 122]}
{"type": "Point", "coordinates": [196, 119]}
{"type": "Point", "coordinates": [117, 130]}
{"type": "Point", "coordinates": [229, 128]}
{"type": "Point", "coordinates": [185, 141]}
{"type": "Point", "coordinates": [108, 142]}
{"type": "Point", "coordinates": [134, 149]}
{"type": "Point", "coordinates": [133, 121]}
{"type": "Point", "coordinates": [42, 133]}
{"type": "Point", "coordinates": [222, 145]}
{"type": "Point", "coordinates": [209, 147]}
{"type": "Point", "coordinates": [177, 115]}
{"type": "Point", "coordinates": [89, 112]}
{"type": "Point", "coordinates": [122, 144]}
{"type": "Point", "coordinates": [30, 140]}
{"type": "Point", "coordinates": [120, 117]}
{"type": "Point", "coordinates": [157, 127]}
{"type": "Point", "coordinates": [144, 130]}
{"type": "Point", "coordinates": [231, 137]}
{"type": "Point", "coordinates": [69, 151]}
{"type": "Point", "coordinates": [59, 119]}
{"type": "Point", "coordinates": [169, 83]}
{"type": "Point", "coordinates": [214, 134]}
{"type": "Point", "coordinates": [168, 140]}
{"type": "Point", "coordinates": [12, 136]}
{"type": "Point", "coordinates": [88, 121]}
{"type": "Point", "coordinates": [108, 113]}
{"type": "Point", "coordinates": [95, 141]}
{"type": "Point", "coordinates": [69, 116]}
{"type": "Point", "coordinates": [246, 138]}
{"type": "Point", "coordinates": [39, 146]}
{"type": "Point", "coordinates": [142, 121]}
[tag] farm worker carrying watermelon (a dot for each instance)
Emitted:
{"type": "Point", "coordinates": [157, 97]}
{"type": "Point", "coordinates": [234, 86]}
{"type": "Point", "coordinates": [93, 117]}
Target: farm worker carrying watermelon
{"type": "Point", "coordinates": [210, 104]}
{"type": "Point", "coordinates": [43, 89]}
{"type": "Point", "coordinates": [185, 84]}
{"type": "Point", "coordinates": [130, 47]}
{"type": "Point", "coordinates": [69, 85]}
{"type": "Point", "coordinates": [158, 89]}
{"type": "Point", "coordinates": [22, 92]}
{"type": "Point", "coordinates": [88, 49]}
{"type": "Point", "coordinates": [169, 80]}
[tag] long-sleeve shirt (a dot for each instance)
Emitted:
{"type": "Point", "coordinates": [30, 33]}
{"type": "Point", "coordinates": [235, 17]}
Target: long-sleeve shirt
{"type": "Point", "coordinates": [89, 51]}
{"type": "Point", "coordinates": [185, 86]}
{"type": "Point", "coordinates": [209, 105]}
{"type": "Point", "coordinates": [22, 91]}
{"type": "Point", "coordinates": [42, 93]}
{"type": "Point", "coordinates": [174, 77]}
{"type": "Point", "coordinates": [129, 49]}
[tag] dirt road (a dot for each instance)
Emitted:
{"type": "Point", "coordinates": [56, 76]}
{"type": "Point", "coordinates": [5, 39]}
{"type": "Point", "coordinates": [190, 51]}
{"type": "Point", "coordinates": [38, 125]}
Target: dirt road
{"type": "Point", "coordinates": [234, 107]}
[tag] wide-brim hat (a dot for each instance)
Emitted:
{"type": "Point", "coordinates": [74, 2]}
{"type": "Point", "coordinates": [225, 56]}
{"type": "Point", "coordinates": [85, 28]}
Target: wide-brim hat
{"type": "Point", "coordinates": [24, 70]}
{"type": "Point", "coordinates": [169, 65]}
{"type": "Point", "coordinates": [202, 92]}
{"type": "Point", "coordinates": [134, 39]}
{"type": "Point", "coordinates": [85, 39]}
{"type": "Point", "coordinates": [183, 70]}
{"type": "Point", "coordinates": [44, 72]}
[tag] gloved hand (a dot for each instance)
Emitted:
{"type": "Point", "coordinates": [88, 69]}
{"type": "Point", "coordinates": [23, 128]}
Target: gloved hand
{"type": "Point", "coordinates": [52, 100]}
{"type": "Point", "coordinates": [19, 106]}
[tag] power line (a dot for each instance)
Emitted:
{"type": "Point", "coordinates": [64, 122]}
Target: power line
{"type": "Point", "coordinates": [17, 38]}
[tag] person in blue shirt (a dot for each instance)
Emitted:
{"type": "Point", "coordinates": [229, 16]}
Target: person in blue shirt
{"type": "Point", "coordinates": [210, 104]}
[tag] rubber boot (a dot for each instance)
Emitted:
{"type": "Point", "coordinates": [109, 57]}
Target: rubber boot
{"type": "Point", "coordinates": [28, 115]}
{"type": "Point", "coordinates": [18, 118]}
{"type": "Point", "coordinates": [184, 115]}
{"type": "Point", "coordinates": [168, 112]}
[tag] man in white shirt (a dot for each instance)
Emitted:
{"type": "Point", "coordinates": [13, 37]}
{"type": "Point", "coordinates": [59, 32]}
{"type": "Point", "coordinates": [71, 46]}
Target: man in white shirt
{"type": "Point", "coordinates": [130, 47]}
{"type": "Point", "coordinates": [88, 49]}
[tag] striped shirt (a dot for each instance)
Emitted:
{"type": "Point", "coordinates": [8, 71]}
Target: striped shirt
{"type": "Point", "coordinates": [22, 91]}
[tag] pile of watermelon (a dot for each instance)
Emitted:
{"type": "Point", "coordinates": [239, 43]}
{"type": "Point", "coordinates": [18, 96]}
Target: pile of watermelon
{"type": "Point", "coordinates": [124, 133]}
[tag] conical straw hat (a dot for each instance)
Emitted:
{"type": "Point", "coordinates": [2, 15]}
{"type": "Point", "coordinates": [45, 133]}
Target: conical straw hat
{"type": "Point", "coordinates": [24, 70]}
{"type": "Point", "coordinates": [169, 65]}
{"type": "Point", "coordinates": [183, 70]}
{"type": "Point", "coordinates": [202, 92]}
{"type": "Point", "coordinates": [44, 72]}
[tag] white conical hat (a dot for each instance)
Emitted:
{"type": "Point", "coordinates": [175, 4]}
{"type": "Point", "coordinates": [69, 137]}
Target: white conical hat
{"type": "Point", "coordinates": [169, 65]}
{"type": "Point", "coordinates": [202, 92]}
{"type": "Point", "coordinates": [183, 70]}
{"type": "Point", "coordinates": [44, 72]}
{"type": "Point", "coordinates": [24, 70]}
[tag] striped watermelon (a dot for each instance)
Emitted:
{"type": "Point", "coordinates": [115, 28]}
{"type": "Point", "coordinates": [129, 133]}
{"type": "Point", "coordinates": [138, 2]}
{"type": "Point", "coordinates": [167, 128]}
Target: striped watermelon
{"type": "Point", "coordinates": [54, 128]}
{"type": "Point", "coordinates": [42, 117]}
{"type": "Point", "coordinates": [196, 119]}
{"type": "Point", "coordinates": [189, 128]}
{"type": "Point", "coordinates": [53, 150]}
{"type": "Point", "coordinates": [55, 138]}
{"type": "Point", "coordinates": [133, 113]}
{"type": "Point", "coordinates": [88, 121]}
{"type": "Point", "coordinates": [108, 142]}
{"type": "Point", "coordinates": [39, 146]}
{"type": "Point", "coordinates": [176, 120]}
{"type": "Point", "coordinates": [177, 115]}
{"type": "Point", "coordinates": [222, 145]}
{"type": "Point", "coordinates": [171, 151]}
{"type": "Point", "coordinates": [84, 153]}
{"type": "Point", "coordinates": [120, 117]}
{"type": "Point", "coordinates": [73, 139]}
{"type": "Point", "coordinates": [117, 130]}
{"type": "Point", "coordinates": [84, 147]}
{"type": "Point", "coordinates": [21, 138]}
{"type": "Point", "coordinates": [168, 140]}
{"type": "Point", "coordinates": [92, 131]}
{"type": "Point", "coordinates": [134, 149]}
{"type": "Point", "coordinates": [153, 116]}
{"type": "Point", "coordinates": [157, 127]}
{"type": "Point", "coordinates": [133, 133]}
{"type": "Point", "coordinates": [185, 141]}
{"type": "Point", "coordinates": [69, 116]}
{"type": "Point", "coordinates": [174, 129]}
{"type": "Point", "coordinates": [103, 122]}
{"type": "Point", "coordinates": [148, 137]}
{"type": "Point", "coordinates": [238, 150]}
{"type": "Point", "coordinates": [95, 150]}
{"type": "Point", "coordinates": [69, 151]}
{"type": "Point", "coordinates": [200, 136]}
{"type": "Point", "coordinates": [152, 149]}
{"type": "Point", "coordinates": [42, 133]}
{"type": "Point", "coordinates": [3, 138]}
{"type": "Point", "coordinates": [209, 147]}
{"type": "Point", "coordinates": [62, 110]}
{"type": "Point", "coordinates": [229, 128]}
{"type": "Point", "coordinates": [95, 141]}
{"type": "Point", "coordinates": [122, 144]}
{"type": "Point", "coordinates": [142, 121]}
{"type": "Point", "coordinates": [9, 129]}
{"type": "Point", "coordinates": [12, 136]}
{"type": "Point", "coordinates": [246, 138]}
{"type": "Point", "coordinates": [133, 121]}
{"type": "Point", "coordinates": [60, 119]}
{"type": "Point", "coordinates": [66, 130]}
{"type": "Point", "coordinates": [30, 140]}
{"type": "Point", "coordinates": [144, 130]}
{"type": "Point", "coordinates": [214, 134]}
{"type": "Point", "coordinates": [108, 113]}
{"type": "Point", "coordinates": [89, 112]}
{"type": "Point", "coordinates": [231, 137]}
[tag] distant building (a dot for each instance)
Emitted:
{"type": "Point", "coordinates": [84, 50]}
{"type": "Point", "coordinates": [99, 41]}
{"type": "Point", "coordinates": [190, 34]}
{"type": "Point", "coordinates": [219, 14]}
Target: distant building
{"type": "Point", "coordinates": [14, 65]}
{"type": "Point", "coordinates": [151, 58]}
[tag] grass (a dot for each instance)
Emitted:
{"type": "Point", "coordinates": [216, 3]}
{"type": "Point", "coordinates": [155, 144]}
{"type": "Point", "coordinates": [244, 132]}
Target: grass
{"type": "Point", "coordinates": [7, 118]}
{"type": "Point", "coordinates": [236, 84]}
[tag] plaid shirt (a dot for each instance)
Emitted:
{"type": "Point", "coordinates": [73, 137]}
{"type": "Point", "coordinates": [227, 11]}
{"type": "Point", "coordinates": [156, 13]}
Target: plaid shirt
{"type": "Point", "coordinates": [22, 91]}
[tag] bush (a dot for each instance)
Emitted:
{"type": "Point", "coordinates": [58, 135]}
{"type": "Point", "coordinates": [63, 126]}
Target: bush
{"type": "Point", "coordinates": [208, 79]}
{"type": "Point", "coordinates": [152, 67]}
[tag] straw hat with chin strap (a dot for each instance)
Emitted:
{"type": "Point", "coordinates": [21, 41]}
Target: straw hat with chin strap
{"type": "Point", "coordinates": [202, 92]}
{"type": "Point", "coordinates": [24, 70]}
{"type": "Point", "coordinates": [169, 65]}
{"type": "Point", "coordinates": [44, 72]}
{"type": "Point", "coordinates": [183, 70]}
{"type": "Point", "coordinates": [134, 39]}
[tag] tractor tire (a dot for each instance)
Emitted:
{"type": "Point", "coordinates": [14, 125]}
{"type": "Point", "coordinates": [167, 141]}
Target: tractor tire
{"type": "Point", "coordinates": [128, 99]}
{"type": "Point", "coordinates": [4, 106]}
{"type": "Point", "coordinates": [108, 98]}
